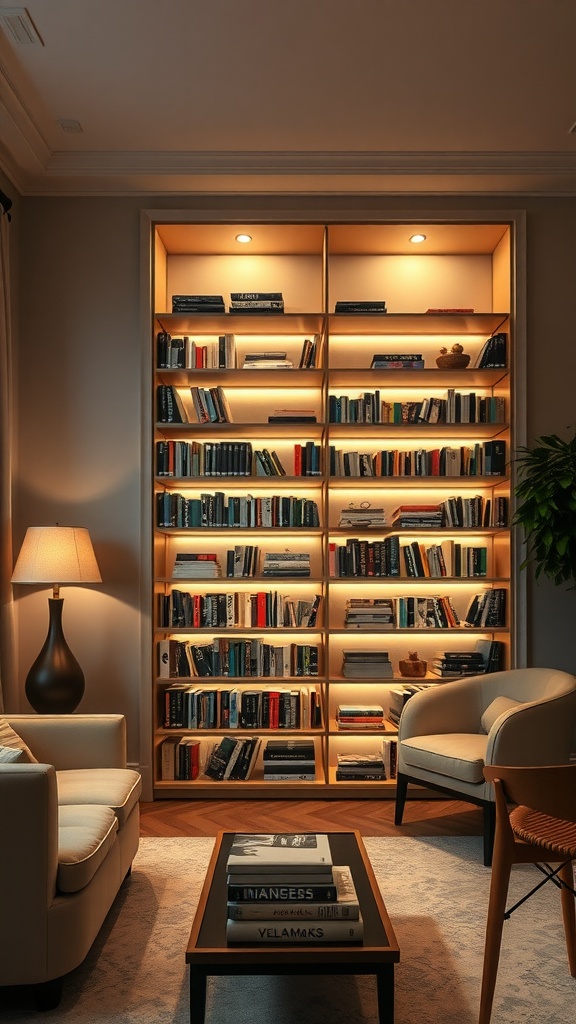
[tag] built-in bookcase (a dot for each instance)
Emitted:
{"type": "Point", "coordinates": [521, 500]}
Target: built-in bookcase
{"type": "Point", "coordinates": [212, 497]}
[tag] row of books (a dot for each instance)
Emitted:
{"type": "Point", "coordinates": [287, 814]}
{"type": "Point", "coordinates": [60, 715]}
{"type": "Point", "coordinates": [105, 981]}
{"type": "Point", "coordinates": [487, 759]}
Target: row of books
{"type": "Point", "coordinates": [284, 888]}
{"type": "Point", "coordinates": [233, 609]}
{"type": "Point", "coordinates": [187, 354]}
{"type": "Point", "coordinates": [240, 302]}
{"type": "Point", "coordinates": [242, 561]}
{"type": "Point", "coordinates": [385, 559]}
{"type": "Point", "coordinates": [235, 657]}
{"type": "Point", "coordinates": [487, 458]}
{"type": "Point", "coordinates": [194, 707]}
{"type": "Point", "coordinates": [235, 511]}
{"type": "Point", "coordinates": [454, 408]}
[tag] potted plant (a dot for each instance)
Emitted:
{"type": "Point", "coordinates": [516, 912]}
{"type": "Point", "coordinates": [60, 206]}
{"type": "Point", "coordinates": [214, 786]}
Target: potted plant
{"type": "Point", "coordinates": [546, 509]}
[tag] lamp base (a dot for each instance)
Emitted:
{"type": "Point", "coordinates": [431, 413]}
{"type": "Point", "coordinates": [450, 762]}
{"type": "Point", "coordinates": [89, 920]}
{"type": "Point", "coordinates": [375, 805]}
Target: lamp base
{"type": "Point", "coordinates": [55, 682]}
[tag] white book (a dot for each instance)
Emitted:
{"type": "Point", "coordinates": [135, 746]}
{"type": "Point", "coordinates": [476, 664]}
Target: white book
{"type": "Point", "coordinates": [267, 852]}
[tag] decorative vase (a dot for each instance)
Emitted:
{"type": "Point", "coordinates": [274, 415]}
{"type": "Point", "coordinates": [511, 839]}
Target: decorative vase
{"type": "Point", "coordinates": [55, 682]}
{"type": "Point", "coordinates": [413, 667]}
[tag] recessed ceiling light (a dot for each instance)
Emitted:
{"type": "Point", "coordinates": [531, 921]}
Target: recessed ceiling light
{"type": "Point", "coordinates": [244, 238]}
{"type": "Point", "coordinates": [68, 124]}
{"type": "Point", "coordinates": [417, 238]}
{"type": "Point", "coordinates": [17, 23]}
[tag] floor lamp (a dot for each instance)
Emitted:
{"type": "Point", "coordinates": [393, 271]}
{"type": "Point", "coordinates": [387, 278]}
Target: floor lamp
{"type": "Point", "coordinates": [55, 682]}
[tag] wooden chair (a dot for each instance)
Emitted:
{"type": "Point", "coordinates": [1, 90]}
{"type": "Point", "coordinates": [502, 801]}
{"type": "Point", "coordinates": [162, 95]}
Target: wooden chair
{"type": "Point", "coordinates": [540, 830]}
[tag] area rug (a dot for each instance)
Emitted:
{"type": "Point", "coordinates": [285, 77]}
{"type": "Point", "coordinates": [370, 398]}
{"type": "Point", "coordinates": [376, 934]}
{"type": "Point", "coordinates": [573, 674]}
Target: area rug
{"type": "Point", "coordinates": [436, 893]}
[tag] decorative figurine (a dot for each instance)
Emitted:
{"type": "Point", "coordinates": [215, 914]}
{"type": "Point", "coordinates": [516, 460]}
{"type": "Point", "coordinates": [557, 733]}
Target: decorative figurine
{"type": "Point", "coordinates": [413, 667]}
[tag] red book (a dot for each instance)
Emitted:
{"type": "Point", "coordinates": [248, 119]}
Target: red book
{"type": "Point", "coordinates": [297, 460]}
{"type": "Point", "coordinates": [261, 609]}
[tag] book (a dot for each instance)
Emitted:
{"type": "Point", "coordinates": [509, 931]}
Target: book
{"type": "Point", "coordinates": [266, 852]}
{"type": "Point", "coordinates": [344, 907]}
{"type": "Point", "coordinates": [278, 932]}
{"type": "Point", "coordinates": [279, 892]}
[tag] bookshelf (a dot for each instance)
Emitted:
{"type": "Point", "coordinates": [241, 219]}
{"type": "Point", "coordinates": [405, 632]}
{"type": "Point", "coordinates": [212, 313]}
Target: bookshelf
{"type": "Point", "coordinates": [232, 515]}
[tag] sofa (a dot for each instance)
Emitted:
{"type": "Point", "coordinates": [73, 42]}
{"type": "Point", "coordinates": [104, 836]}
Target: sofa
{"type": "Point", "coordinates": [70, 830]}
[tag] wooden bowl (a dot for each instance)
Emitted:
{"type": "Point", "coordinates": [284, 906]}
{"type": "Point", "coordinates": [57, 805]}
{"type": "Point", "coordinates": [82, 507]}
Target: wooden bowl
{"type": "Point", "coordinates": [453, 361]}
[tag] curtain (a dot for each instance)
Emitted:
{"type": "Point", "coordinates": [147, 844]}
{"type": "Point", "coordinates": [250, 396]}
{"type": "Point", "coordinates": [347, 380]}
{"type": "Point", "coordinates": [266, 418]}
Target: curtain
{"type": "Point", "coordinates": [7, 634]}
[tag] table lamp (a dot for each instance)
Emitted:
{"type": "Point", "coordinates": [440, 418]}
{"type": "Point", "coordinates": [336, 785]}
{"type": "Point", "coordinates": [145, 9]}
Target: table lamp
{"type": "Point", "coordinates": [55, 682]}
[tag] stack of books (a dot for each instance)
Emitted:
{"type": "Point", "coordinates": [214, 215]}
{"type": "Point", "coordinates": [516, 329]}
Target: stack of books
{"type": "Point", "coordinates": [360, 767]}
{"type": "Point", "coordinates": [369, 613]}
{"type": "Point", "coordinates": [256, 302]}
{"type": "Point", "coordinates": [289, 760]}
{"type": "Point", "coordinates": [267, 361]}
{"type": "Point", "coordinates": [284, 889]}
{"type": "Point", "coordinates": [400, 696]}
{"type": "Point", "coordinates": [191, 565]}
{"type": "Point", "coordinates": [367, 665]}
{"type": "Point", "coordinates": [397, 361]}
{"type": "Point", "coordinates": [457, 663]}
{"type": "Point", "coordinates": [362, 517]}
{"type": "Point", "coordinates": [417, 517]}
{"type": "Point", "coordinates": [360, 716]}
{"type": "Point", "coordinates": [198, 304]}
{"type": "Point", "coordinates": [286, 563]}
{"type": "Point", "coordinates": [360, 306]}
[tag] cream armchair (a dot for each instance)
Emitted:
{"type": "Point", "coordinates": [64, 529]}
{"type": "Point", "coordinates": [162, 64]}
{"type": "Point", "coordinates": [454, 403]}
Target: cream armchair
{"type": "Point", "coordinates": [448, 733]}
{"type": "Point", "coordinates": [70, 829]}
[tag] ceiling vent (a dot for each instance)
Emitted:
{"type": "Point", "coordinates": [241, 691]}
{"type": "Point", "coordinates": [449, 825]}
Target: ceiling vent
{"type": "Point", "coordinates": [19, 27]}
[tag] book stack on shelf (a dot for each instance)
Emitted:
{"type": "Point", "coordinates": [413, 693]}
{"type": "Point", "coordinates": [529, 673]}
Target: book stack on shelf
{"type": "Point", "coordinates": [289, 760]}
{"type": "Point", "coordinates": [417, 517]}
{"type": "Point", "coordinates": [486, 656]}
{"type": "Point", "coordinates": [397, 361]}
{"type": "Point", "coordinates": [198, 304]}
{"type": "Point", "coordinates": [359, 716]}
{"type": "Point", "coordinates": [366, 665]}
{"type": "Point", "coordinates": [190, 565]}
{"type": "Point", "coordinates": [360, 768]}
{"type": "Point", "coordinates": [399, 697]}
{"type": "Point", "coordinates": [292, 416]}
{"type": "Point", "coordinates": [362, 517]}
{"type": "Point", "coordinates": [360, 306]}
{"type": "Point", "coordinates": [267, 361]}
{"type": "Point", "coordinates": [286, 563]}
{"type": "Point", "coordinates": [284, 889]}
{"type": "Point", "coordinates": [256, 302]}
{"type": "Point", "coordinates": [374, 613]}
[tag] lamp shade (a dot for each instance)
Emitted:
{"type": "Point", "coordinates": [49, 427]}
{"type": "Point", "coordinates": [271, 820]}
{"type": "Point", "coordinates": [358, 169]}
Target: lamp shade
{"type": "Point", "coordinates": [56, 554]}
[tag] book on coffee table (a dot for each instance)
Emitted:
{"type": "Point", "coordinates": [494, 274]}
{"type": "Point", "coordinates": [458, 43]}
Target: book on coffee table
{"type": "Point", "coordinates": [266, 853]}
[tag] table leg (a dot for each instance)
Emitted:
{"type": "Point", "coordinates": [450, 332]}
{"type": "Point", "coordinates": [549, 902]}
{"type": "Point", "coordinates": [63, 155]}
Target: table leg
{"type": "Point", "coordinates": [197, 995]}
{"type": "Point", "coordinates": [385, 993]}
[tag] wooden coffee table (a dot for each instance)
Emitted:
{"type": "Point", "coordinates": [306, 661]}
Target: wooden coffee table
{"type": "Point", "coordinates": [209, 954]}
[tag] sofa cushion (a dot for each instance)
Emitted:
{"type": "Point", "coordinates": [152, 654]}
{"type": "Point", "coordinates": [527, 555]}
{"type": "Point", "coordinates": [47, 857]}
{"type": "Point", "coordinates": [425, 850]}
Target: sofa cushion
{"type": "Point", "coordinates": [9, 755]}
{"type": "Point", "coordinates": [455, 755]}
{"type": "Point", "coordinates": [495, 709]}
{"type": "Point", "coordinates": [9, 738]}
{"type": "Point", "coordinates": [118, 788]}
{"type": "Point", "coordinates": [85, 835]}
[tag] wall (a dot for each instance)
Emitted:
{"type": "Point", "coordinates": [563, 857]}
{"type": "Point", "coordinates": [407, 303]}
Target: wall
{"type": "Point", "coordinates": [80, 405]}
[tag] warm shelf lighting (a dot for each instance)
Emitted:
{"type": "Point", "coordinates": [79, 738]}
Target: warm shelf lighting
{"type": "Point", "coordinates": [417, 238]}
{"type": "Point", "coordinates": [244, 238]}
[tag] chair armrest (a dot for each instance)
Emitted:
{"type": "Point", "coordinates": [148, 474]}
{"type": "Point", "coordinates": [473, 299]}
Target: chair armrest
{"type": "Point", "coordinates": [74, 741]}
{"type": "Point", "coordinates": [444, 708]}
{"type": "Point", "coordinates": [539, 733]}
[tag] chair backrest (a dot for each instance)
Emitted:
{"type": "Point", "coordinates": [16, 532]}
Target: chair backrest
{"type": "Point", "coordinates": [527, 684]}
{"type": "Point", "coordinates": [550, 789]}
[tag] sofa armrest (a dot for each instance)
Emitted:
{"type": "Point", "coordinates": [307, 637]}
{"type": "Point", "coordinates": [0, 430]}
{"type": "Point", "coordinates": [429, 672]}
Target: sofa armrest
{"type": "Point", "coordinates": [74, 741]}
{"type": "Point", "coordinates": [445, 708]}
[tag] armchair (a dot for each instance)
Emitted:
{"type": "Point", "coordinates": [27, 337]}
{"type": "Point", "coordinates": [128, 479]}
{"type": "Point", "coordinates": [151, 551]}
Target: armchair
{"type": "Point", "coordinates": [450, 732]}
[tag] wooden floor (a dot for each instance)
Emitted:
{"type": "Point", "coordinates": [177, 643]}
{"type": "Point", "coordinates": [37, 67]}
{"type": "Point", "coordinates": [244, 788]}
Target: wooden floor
{"type": "Point", "coordinates": [370, 817]}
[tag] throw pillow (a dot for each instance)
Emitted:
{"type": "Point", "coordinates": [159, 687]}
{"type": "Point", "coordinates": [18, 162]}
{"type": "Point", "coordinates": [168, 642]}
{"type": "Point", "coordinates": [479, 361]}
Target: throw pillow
{"type": "Point", "coordinates": [9, 738]}
{"type": "Point", "coordinates": [10, 754]}
{"type": "Point", "coordinates": [495, 709]}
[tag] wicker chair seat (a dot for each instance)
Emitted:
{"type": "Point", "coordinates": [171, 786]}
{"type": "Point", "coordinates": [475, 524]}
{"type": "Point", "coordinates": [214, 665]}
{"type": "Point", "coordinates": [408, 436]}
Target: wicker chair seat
{"type": "Point", "coordinates": [553, 834]}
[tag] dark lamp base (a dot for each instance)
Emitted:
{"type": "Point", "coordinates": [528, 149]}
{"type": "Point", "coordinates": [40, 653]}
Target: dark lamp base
{"type": "Point", "coordinates": [55, 683]}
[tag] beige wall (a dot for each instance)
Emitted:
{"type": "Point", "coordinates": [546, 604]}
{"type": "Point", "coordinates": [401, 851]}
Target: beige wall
{"type": "Point", "coordinates": [79, 422]}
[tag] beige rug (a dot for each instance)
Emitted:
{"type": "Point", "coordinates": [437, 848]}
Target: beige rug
{"type": "Point", "coordinates": [436, 893]}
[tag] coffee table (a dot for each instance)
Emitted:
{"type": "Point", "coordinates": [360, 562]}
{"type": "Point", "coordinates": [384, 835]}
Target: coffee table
{"type": "Point", "coordinates": [209, 954]}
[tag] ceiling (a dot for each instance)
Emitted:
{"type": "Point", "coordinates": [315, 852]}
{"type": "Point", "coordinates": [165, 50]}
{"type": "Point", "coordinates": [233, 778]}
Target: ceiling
{"type": "Point", "coordinates": [181, 96]}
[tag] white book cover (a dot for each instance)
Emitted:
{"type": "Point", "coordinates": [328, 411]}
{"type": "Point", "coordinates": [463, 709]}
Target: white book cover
{"type": "Point", "coordinates": [266, 853]}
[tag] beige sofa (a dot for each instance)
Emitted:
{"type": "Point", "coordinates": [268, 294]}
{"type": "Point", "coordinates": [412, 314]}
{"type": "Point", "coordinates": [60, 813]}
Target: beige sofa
{"type": "Point", "coordinates": [70, 830]}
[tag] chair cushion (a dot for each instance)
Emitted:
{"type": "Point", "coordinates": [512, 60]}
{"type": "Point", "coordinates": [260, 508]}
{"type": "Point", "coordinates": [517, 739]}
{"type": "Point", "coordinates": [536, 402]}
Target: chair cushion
{"type": "Point", "coordinates": [454, 755]}
{"type": "Point", "coordinates": [85, 835]}
{"type": "Point", "coordinates": [118, 788]}
{"type": "Point", "coordinates": [495, 709]}
{"type": "Point", "coordinates": [9, 738]}
{"type": "Point", "coordinates": [9, 755]}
